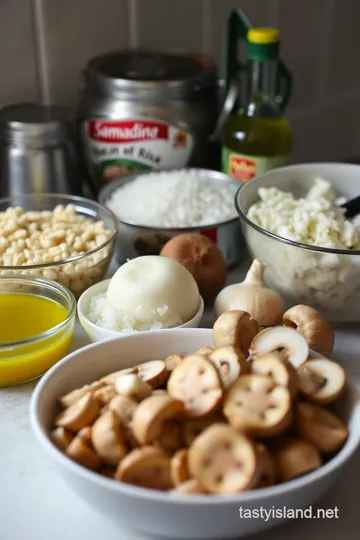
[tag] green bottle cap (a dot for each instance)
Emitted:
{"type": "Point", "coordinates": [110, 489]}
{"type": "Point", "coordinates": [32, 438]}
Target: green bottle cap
{"type": "Point", "coordinates": [263, 43]}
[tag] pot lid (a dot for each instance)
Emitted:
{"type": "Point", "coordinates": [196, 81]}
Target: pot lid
{"type": "Point", "coordinates": [148, 72]}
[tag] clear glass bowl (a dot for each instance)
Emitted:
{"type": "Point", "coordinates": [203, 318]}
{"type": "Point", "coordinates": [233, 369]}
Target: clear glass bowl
{"type": "Point", "coordinates": [79, 272]}
{"type": "Point", "coordinates": [27, 359]}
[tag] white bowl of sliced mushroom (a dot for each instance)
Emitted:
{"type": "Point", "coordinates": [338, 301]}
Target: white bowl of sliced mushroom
{"type": "Point", "coordinates": [183, 427]}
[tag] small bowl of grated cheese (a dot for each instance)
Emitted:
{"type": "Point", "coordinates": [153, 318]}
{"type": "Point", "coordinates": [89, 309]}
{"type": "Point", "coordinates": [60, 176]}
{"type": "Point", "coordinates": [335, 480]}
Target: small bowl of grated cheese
{"type": "Point", "coordinates": [292, 220]}
{"type": "Point", "coordinates": [147, 293]}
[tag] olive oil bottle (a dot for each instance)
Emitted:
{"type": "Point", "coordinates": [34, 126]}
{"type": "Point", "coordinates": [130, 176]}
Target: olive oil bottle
{"type": "Point", "coordinates": [257, 137]}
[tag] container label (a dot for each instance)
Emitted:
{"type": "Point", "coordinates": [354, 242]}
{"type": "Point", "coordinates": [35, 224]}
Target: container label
{"type": "Point", "coordinates": [116, 148]}
{"type": "Point", "coordinates": [243, 167]}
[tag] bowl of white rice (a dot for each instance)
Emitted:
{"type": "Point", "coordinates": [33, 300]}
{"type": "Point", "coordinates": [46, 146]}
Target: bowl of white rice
{"type": "Point", "coordinates": [100, 321]}
{"type": "Point", "coordinates": [154, 206]}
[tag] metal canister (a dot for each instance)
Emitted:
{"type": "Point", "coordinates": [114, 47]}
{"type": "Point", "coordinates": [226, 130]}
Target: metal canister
{"type": "Point", "coordinates": [135, 240]}
{"type": "Point", "coordinates": [37, 150]}
{"type": "Point", "coordinates": [142, 111]}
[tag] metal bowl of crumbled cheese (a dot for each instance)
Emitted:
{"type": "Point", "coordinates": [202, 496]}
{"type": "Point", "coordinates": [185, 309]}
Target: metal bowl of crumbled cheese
{"type": "Point", "coordinates": [154, 206]}
{"type": "Point", "coordinates": [292, 220]}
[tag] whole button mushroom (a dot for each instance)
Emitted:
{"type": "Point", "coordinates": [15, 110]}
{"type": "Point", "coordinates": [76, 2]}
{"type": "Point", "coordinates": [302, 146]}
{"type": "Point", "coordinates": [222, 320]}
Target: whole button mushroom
{"type": "Point", "coordinates": [284, 340]}
{"type": "Point", "coordinates": [224, 460]}
{"type": "Point", "coordinates": [295, 457]}
{"type": "Point", "coordinates": [321, 427]}
{"type": "Point", "coordinates": [235, 328]}
{"type": "Point", "coordinates": [321, 380]}
{"type": "Point", "coordinates": [257, 406]}
{"type": "Point", "coordinates": [107, 438]}
{"type": "Point", "coordinates": [147, 467]}
{"type": "Point", "coordinates": [196, 382]}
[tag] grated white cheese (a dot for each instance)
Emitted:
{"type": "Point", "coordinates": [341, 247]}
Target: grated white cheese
{"type": "Point", "coordinates": [101, 313]}
{"type": "Point", "coordinates": [174, 199]}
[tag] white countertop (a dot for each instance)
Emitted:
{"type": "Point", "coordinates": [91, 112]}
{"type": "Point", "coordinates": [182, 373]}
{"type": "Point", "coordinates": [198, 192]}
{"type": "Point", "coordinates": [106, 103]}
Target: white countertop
{"type": "Point", "coordinates": [35, 503]}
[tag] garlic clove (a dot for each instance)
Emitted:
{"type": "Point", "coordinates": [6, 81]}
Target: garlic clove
{"type": "Point", "coordinates": [284, 340]}
{"type": "Point", "coordinates": [321, 380]}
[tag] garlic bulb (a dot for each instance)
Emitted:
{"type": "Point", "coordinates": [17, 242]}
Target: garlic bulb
{"type": "Point", "coordinates": [252, 296]}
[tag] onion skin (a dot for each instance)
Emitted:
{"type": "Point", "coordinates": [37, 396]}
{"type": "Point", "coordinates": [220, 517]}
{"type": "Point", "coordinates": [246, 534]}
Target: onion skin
{"type": "Point", "coordinates": [202, 258]}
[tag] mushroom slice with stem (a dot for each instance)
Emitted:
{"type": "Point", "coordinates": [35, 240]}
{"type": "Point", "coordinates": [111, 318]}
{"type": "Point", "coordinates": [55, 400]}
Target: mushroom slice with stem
{"type": "Point", "coordinates": [196, 382]}
{"type": "Point", "coordinates": [295, 457]}
{"type": "Point", "coordinates": [179, 467]}
{"type": "Point", "coordinates": [81, 451]}
{"type": "Point", "coordinates": [190, 487]}
{"type": "Point", "coordinates": [235, 328]}
{"type": "Point", "coordinates": [257, 406]}
{"type": "Point", "coordinates": [230, 363]}
{"type": "Point", "coordinates": [80, 414]}
{"type": "Point", "coordinates": [61, 437]}
{"type": "Point", "coordinates": [321, 380]}
{"type": "Point", "coordinates": [107, 438]}
{"type": "Point", "coordinates": [147, 467]}
{"type": "Point", "coordinates": [268, 474]}
{"type": "Point", "coordinates": [153, 417]}
{"type": "Point", "coordinates": [326, 431]}
{"type": "Point", "coordinates": [153, 373]}
{"type": "Point", "coordinates": [278, 368]}
{"type": "Point", "coordinates": [313, 326]}
{"type": "Point", "coordinates": [130, 385]}
{"type": "Point", "coordinates": [284, 340]}
{"type": "Point", "coordinates": [70, 398]}
{"type": "Point", "coordinates": [111, 377]}
{"type": "Point", "coordinates": [224, 460]}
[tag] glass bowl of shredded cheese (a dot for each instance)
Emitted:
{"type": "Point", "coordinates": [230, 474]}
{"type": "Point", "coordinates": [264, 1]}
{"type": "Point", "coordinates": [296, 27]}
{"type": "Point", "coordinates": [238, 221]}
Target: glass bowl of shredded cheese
{"type": "Point", "coordinates": [292, 220]}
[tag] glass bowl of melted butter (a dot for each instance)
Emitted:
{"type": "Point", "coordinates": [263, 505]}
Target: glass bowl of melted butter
{"type": "Point", "coordinates": [37, 318]}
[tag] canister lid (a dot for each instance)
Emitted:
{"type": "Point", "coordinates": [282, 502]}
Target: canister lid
{"type": "Point", "coordinates": [34, 124]}
{"type": "Point", "coordinates": [144, 74]}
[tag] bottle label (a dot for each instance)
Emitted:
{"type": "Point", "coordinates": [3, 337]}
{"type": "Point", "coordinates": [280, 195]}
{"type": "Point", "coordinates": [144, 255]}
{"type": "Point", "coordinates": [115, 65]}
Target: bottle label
{"type": "Point", "coordinates": [243, 167]}
{"type": "Point", "coordinates": [118, 147]}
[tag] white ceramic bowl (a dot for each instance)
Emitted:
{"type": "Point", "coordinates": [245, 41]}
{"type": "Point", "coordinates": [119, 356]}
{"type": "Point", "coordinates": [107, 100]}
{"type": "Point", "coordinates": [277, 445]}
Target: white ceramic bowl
{"type": "Point", "coordinates": [327, 279]}
{"type": "Point", "coordinates": [98, 333]}
{"type": "Point", "coordinates": [158, 514]}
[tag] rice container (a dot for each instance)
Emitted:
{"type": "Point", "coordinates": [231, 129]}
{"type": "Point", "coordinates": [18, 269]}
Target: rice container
{"type": "Point", "coordinates": [135, 240]}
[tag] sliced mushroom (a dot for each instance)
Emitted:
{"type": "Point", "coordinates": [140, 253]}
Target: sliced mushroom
{"type": "Point", "coordinates": [191, 487]}
{"type": "Point", "coordinates": [159, 392]}
{"type": "Point", "coordinates": [124, 407]}
{"type": "Point", "coordinates": [257, 406]}
{"type": "Point", "coordinates": [224, 460]}
{"type": "Point", "coordinates": [81, 451]}
{"type": "Point", "coordinates": [172, 437]}
{"type": "Point", "coordinates": [230, 363]}
{"type": "Point", "coordinates": [105, 394]}
{"type": "Point", "coordinates": [268, 474]}
{"type": "Point", "coordinates": [107, 438]}
{"type": "Point", "coordinates": [321, 380]}
{"type": "Point", "coordinates": [179, 467]}
{"type": "Point", "coordinates": [295, 457]}
{"type": "Point", "coordinates": [278, 368]}
{"type": "Point", "coordinates": [147, 467]}
{"type": "Point", "coordinates": [111, 377]}
{"type": "Point", "coordinates": [326, 431]}
{"type": "Point", "coordinates": [85, 434]}
{"type": "Point", "coordinates": [151, 417]}
{"type": "Point", "coordinates": [80, 414]}
{"type": "Point", "coordinates": [153, 373]}
{"type": "Point", "coordinates": [172, 361]}
{"type": "Point", "coordinates": [109, 472]}
{"type": "Point", "coordinates": [284, 340]}
{"type": "Point", "coordinates": [61, 437]}
{"type": "Point", "coordinates": [73, 396]}
{"type": "Point", "coordinates": [197, 383]}
{"type": "Point", "coordinates": [194, 426]}
{"type": "Point", "coordinates": [313, 326]}
{"type": "Point", "coordinates": [205, 350]}
{"type": "Point", "coordinates": [235, 328]}
{"type": "Point", "coordinates": [132, 386]}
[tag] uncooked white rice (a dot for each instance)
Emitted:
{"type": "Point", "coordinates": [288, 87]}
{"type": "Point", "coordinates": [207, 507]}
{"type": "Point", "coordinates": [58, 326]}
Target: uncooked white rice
{"type": "Point", "coordinates": [174, 199]}
{"type": "Point", "coordinates": [103, 314]}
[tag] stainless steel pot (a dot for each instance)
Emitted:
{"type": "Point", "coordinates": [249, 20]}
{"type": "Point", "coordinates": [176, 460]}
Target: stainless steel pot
{"type": "Point", "coordinates": [143, 110]}
{"type": "Point", "coordinates": [134, 241]}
